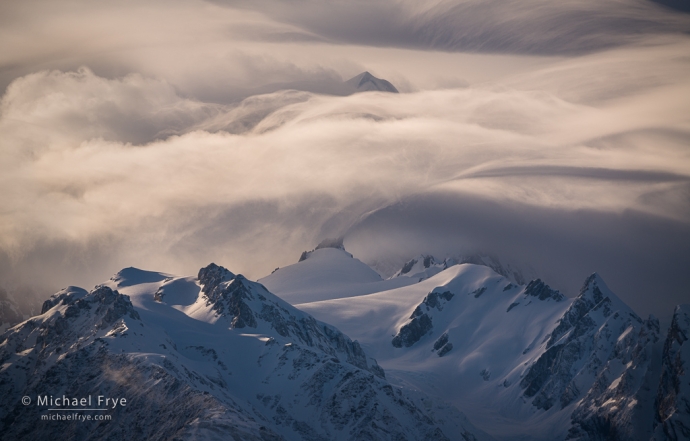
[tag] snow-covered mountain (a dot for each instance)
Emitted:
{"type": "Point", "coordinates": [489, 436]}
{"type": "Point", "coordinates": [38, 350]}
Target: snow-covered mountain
{"type": "Point", "coordinates": [327, 273]}
{"type": "Point", "coordinates": [522, 361]}
{"type": "Point", "coordinates": [218, 356]}
{"type": "Point", "coordinates": [209, 357]}
{"type": "Point", "coordinates": [366, 82]}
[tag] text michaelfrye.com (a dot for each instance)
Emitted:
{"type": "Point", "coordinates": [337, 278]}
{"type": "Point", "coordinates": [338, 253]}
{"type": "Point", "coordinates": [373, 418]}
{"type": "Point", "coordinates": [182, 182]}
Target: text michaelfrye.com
{"type": "Point", "coordinates": [64, 408]}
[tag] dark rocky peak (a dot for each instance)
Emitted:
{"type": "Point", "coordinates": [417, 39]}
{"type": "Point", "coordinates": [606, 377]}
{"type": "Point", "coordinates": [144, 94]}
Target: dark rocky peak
{"type": "Point", "coordinates": [366, 82]}
{"type": "Point", "coordinates": [542, 291]}
{"type": "Point", "coordinates": [232, 299]}
{"type": "Point", "coordinates": [594, 296]}
{"type": "Point", "coordinates": [249, 304]}
{"type": "Point", "coordinates": [212, 276]}
{"type": "Point", "coordinates": [230, 295]}
{"type": "Point", "coordinates": [595, 290]}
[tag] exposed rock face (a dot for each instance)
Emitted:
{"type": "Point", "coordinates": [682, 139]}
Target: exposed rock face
{"type": "Point", "coordinates": [421, 323]}
{"type": "Point", "coordinates": [426, 260]}
{"type": "Point", "coordinates": [672, 419]}
{"type": "Point", "coordinates": [442, 340]}
{"type": "Point", "coordinates": [412, 332]}
{"type": "Point", "coordinates": [542, 291]}
{"type": "Point", "coordinates": [248, 304]}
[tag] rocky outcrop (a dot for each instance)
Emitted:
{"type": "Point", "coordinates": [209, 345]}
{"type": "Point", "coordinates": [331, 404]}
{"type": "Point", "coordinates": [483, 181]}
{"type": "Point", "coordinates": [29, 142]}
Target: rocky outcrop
{"type": "Point", "coordinates": [542, 291]}
{"type": "Point", "coordinates": [441, 342]}
{"type": "Point", "coordinates": [249, 304]}
{"type": "Point", "coordinates": [420, 321]}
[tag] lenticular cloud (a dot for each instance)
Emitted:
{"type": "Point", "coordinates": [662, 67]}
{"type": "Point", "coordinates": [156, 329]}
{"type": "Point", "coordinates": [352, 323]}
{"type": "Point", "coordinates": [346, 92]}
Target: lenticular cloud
{"type": "Point", "coordinates": [125, 170]}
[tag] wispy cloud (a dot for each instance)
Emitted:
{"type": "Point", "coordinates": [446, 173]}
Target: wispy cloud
{"type": "Point", "coordinates": [518, 26]}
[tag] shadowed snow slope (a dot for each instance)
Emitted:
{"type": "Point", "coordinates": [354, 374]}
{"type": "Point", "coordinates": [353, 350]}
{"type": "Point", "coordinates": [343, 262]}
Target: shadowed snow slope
{"type": "Point", "coordinates": [211, 357]}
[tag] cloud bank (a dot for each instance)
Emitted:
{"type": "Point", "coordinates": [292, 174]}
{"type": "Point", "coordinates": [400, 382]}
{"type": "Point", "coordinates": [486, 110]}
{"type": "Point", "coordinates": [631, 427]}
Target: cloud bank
{"type": "Point", "coordinates": [517, 26]}
{"type": "Point", "coordinates": [224, 142]}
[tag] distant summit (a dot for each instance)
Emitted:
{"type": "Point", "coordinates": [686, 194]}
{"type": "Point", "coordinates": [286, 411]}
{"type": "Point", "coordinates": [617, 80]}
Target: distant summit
{"type": "Point", "coordinates": [366, 82]}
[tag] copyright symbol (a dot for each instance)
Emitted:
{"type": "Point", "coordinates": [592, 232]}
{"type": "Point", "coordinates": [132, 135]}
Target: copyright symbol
{"type": "Point", "coordinates": [26, 401]}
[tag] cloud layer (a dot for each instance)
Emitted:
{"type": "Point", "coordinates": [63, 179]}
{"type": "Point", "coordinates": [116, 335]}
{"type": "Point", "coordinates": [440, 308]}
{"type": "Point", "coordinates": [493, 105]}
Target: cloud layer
{"type": "Point", "coordinates": [193, 148]}
{"type": "Point", "coordinates": [518, 26]}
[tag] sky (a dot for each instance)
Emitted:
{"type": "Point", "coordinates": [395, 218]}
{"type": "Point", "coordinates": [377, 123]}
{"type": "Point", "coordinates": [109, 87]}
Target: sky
{"type": "Point", "coordinates": [167, 135]}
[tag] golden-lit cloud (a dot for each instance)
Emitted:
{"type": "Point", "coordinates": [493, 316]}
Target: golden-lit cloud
{"type": "Point", "coordinates": [168, 137]}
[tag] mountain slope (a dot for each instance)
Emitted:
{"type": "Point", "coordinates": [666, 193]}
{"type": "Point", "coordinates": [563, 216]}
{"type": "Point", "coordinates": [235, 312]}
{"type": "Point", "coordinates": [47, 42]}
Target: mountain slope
{"type": "Point", "coordinates": [211, 357]}
{"type": "Point", "coordinates": [519, 360]}
{"type": "Point", "coordinates": [324, 274]}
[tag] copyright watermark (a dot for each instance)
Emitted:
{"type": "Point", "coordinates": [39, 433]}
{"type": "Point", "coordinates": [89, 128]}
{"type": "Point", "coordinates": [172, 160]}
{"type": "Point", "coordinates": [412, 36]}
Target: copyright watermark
{"type": "Point", "coordinates": [88, 402]}
{"type": "Point", "coordinates": [70, 408]}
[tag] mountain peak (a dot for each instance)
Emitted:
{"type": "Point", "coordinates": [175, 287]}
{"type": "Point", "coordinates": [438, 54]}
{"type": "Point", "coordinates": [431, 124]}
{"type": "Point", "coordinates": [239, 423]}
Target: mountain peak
{"type": "Point", "coordinates": [213, 275]}
{"type": "Point", "coordinates": [133, 276]}
{"type": "Point", "coordinates": [366, 82]}
{"type": "Point", "coordinates": [595, 290]}
{"type": "Point", "coordinates": [330, 242]}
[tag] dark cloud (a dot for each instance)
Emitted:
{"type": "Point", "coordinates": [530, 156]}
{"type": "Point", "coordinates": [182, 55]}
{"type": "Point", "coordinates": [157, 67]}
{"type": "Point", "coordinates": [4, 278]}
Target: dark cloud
{"type": "Point", "coordinates": [516, 26]}
{"type": "Point", "coordinates": [642, 257]}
